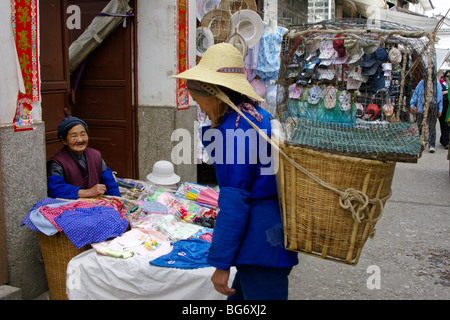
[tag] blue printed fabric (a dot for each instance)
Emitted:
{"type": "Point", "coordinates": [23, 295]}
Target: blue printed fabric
{"type": "Point", "coordinates": [186, 254]}
{"type": "Point", "coordinates": [88, 225]}
{"type": "Point", "coordinates": [41, 203]}
{"type": "Point", "coordinates": [268, 64]}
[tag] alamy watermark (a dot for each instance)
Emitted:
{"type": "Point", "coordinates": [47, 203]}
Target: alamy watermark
{"type": "Point", "coordinates": [74, 20]}
{"type": "Point", "coordinates": [73, 280]}
{"type": "Point", "coordinates": [374, 280]}
{"type": "Point", "coordinates": [373, 17]}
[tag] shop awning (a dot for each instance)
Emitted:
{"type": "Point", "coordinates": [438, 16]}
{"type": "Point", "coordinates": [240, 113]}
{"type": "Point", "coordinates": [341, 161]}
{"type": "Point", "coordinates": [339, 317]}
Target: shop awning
{"type": "Point", "coordinates": [442, 54]}
{"type": "Point", "coordinates": [376, 10]}
{"type": "Point", "coordinates": [101, 26]}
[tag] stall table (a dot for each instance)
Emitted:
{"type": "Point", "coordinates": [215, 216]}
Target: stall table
{"type": "Point", "coordinates": [92, 276]}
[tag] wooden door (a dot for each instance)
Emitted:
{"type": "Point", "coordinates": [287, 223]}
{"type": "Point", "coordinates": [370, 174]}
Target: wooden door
{"type": "Point", "coordinates": [54, 60]}
{"type": "Point", "coordinates": [103, 97]}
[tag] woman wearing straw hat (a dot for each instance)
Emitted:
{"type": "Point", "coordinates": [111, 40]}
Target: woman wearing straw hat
{"type": "Point", "coordinates": [248, 232]}
{"type": "Point", "coordinates": [77, 171]}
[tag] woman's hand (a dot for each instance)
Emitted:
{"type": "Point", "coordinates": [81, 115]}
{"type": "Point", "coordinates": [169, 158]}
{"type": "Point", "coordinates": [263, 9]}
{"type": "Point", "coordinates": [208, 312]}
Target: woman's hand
{"type": "Point", "coordinates": [95, 191]}
{"type": "Point", "coordinates": [220, 281]}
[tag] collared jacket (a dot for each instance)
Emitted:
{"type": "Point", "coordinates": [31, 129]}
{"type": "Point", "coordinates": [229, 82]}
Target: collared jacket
{"type": "Point", "coordinates": [248, 229]}
{"type": "Point", "coordinates": [419, 95]}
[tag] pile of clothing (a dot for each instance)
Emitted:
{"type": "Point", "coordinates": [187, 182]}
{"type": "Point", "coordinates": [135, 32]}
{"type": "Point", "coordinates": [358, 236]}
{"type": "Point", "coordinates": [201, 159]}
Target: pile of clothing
{"type": "Point", "coordinates": [165, 227]}
{"type": "Point", "coordinates": [83, 221]}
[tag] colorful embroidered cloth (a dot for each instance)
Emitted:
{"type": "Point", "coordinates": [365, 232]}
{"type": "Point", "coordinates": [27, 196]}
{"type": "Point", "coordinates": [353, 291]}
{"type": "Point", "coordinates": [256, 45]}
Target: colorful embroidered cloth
{"type": "Point", "coordinates": [84, 222]}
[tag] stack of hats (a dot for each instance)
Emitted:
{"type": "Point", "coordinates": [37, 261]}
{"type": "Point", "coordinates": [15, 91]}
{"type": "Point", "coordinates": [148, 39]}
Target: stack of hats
{"type": "Point", "coordinates": [371, 66]}
{"type": "Point", "coordinates": [232, 21]}
{"type": "Point", "coordinates": [331, 69]}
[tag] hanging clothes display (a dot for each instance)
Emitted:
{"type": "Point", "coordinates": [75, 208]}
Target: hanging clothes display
{"type": "Point", "coordinates": [268, 64]}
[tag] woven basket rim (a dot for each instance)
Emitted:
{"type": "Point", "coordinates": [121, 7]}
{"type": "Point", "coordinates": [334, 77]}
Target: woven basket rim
{"type": "Point", "coordinates": [333, 156]}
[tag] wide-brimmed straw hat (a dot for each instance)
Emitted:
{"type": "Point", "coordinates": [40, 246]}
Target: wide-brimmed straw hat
{"type": "Point", "coordinates": [223, 65]}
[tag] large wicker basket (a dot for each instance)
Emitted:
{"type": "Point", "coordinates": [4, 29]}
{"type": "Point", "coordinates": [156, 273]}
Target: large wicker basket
{"type": "Point", "coordinates": [57, 251]}
{"type": "Point", "coordinates": [314, 220]}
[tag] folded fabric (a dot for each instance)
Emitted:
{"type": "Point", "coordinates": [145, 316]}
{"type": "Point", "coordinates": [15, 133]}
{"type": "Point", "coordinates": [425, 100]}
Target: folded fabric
{"type": "Point", "coordinates": [175, 230]}
{"type": "Point", "coordinates": [45, 226]}
{"type": "Point", "coordinates": [41, 222]}
{"type": "Point", "coordinates": [43, 202]}
{"type": "Point", "coordinates": [153, 207]}
{"type": "Point", "coordinates": [124, 254]}
{"type": "Point", "coordinates": [151, 244]}
{"type": "Point", "coordinates": [204, 234]}
{"type": "Point", "coordinates": [51, 212]}
{"type": "Point", "coordinates": [96, 224]}
{"type": "Point", "coordinates": [186, 254]}
{"type": "Point", "coordinates": [208, 196]}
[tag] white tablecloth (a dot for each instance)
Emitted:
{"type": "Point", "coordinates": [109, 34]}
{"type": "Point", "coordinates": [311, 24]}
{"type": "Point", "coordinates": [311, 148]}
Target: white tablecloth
{"type": "Point", "coordinates": [91, 276]}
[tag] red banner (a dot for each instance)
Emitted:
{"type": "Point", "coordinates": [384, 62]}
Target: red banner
{"type": "Point", "coordinates": [182, 94]}
{"type": "Point", "coordinates": [24, 23]}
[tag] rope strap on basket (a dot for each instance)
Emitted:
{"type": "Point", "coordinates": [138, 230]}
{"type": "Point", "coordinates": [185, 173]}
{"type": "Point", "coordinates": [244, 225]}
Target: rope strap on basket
{"type": "Point", "coordinates": [351, 199]}
{"type": "Point", "coordinates": [358, 203]}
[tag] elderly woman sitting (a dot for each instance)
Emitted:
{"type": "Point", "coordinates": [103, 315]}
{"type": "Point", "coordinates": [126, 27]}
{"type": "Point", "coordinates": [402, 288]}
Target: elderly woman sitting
{"type": "Point", "coordinates": [77, 171]}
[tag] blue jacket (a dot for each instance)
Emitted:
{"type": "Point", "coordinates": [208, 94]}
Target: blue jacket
{"type": "Point", "coordinates": [248, 229]}
{"type": "Point", "coordinates": [418, 97]}
{"type": "Point", "coordinates": [58, 187]}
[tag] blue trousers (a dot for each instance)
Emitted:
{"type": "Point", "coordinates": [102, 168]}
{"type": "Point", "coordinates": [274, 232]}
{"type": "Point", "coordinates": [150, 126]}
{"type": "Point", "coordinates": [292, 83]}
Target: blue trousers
{"type": "Point", "coordinates": [261, 283]}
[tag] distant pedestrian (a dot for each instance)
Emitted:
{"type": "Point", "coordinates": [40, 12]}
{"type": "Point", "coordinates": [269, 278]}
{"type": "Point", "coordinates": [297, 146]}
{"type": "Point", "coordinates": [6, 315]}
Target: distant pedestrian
{"type": "Point", "coordinates": [417, 103]}
{"type": "Point", "coordinates": [445, 131]}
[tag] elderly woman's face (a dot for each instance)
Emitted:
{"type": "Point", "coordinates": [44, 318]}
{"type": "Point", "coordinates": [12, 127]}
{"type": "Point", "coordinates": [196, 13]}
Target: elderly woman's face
{"type": "Point", "coordinates": [77, 139]}
{"type": "Point", "coordinates": [209, 105]}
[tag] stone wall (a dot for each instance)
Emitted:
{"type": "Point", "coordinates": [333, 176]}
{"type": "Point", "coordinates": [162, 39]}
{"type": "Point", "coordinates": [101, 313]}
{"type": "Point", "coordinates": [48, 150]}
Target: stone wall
{"type": "Point", "coordinates": [23, 183]}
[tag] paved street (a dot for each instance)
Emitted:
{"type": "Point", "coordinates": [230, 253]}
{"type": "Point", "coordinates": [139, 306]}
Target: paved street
{"type": "Point", "coordinates": [411, 247]}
